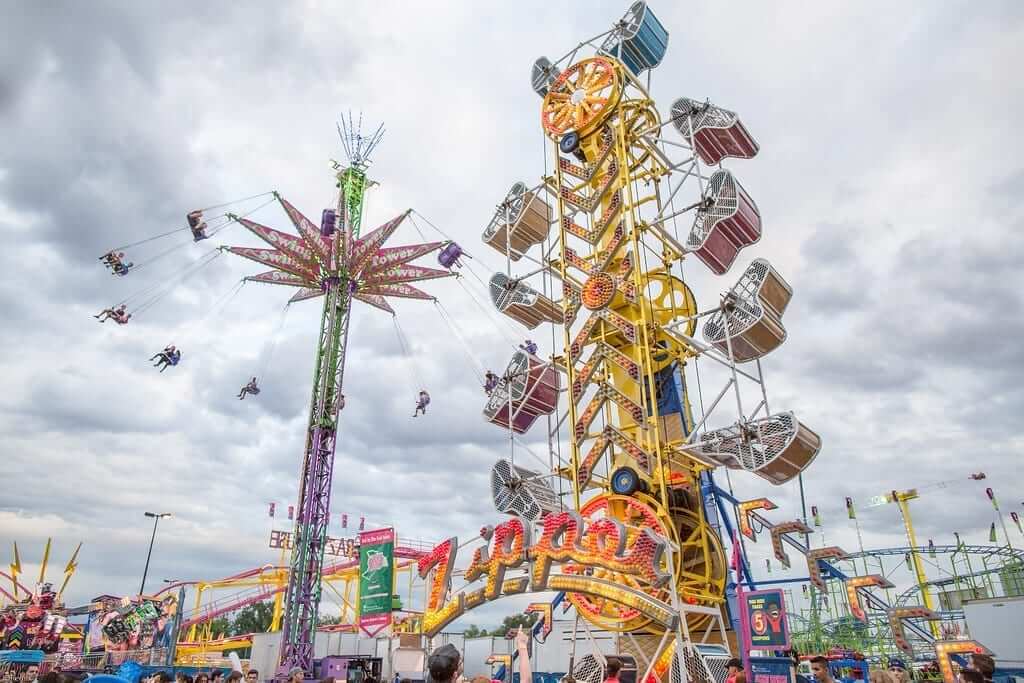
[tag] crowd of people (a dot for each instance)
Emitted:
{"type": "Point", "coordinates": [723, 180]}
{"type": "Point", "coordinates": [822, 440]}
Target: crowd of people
{"type": "Point", "coordinates": [445, 666]}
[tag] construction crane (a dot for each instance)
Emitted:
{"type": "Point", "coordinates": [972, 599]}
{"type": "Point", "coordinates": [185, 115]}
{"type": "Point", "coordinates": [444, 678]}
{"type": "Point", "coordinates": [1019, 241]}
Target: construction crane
{"type": "Point", "coordinates": [902, 499]}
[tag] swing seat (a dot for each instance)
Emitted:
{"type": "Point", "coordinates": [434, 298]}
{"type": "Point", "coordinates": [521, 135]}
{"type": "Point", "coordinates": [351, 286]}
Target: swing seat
{"type": "Point", "coordinates": [523, 303]}
{"type": "Point", "coordinates": [753, 316]}
{"type": "Point", "coordinates": [194, 218]}
{"type": "Point", "coordinates": [528, 390]}
{"type": "Point", "coordinates": [730, 223]}
{"type": "Point", "coordinates": [328, 219]}
{"type": "Point", "coordinates": [450, 255]}
{"type": "Point", "coordinates": [544, 73]}
{"type": "Point", "coordinates": [714, 132]}
{"type": "Point", "coordinates": [776, 448]}
{"type": "Point", "coordinates": [640, 42]}
{"type": "Point", "coordinates": [519, 222]}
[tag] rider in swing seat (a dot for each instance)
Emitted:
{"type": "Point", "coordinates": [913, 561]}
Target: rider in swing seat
{"type": "Point", "coordinates": [422, 401]}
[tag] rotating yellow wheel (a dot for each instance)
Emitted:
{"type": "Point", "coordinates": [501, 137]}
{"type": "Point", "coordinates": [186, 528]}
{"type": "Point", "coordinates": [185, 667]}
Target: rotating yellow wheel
{"type": "Point", "coordinates": [638, 120]}
{"type": "Point", "coordinates": [670, 300]}
{"type": "Point", "coordinates": [636, 513]}
{"type": "Point", "coordinates": [667, 299]}
{"type": "Point", "coordinates": [702, 568]}
{"type": "Point", "coordinates": [582, 97]}
{"type": "Point", "coordinates": [699, 566]}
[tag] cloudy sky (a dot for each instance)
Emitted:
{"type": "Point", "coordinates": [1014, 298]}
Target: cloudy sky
{"type": "Point", "coordinates": [889, 179]}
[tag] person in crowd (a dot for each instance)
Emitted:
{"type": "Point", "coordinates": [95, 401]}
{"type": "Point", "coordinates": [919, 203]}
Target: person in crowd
{"type": "Point", "coordinates": [422, 401]}
{"type": "Point", "coordinates": [523, 655]}
{"type": "Point", "coordinates": [529, 346]}
{"type": "Point", "coordinates": [202, 677]}
{"type": "Point", "coordinates": [234, 677]}
{"type": "Point", "coordinates": [880, 676]}
{"type": "Point", "coordinates": [985, 665]}
{"type": "Point", "coordinates": [252, 675]}
{"type": "Point", "coordinates": [217, 676]}
{"type": "Point", "coordinates": [160, 677]}
{"type": "Point", "coordinates": [29, 674]}
{"type": "Point", "coordinates": [444, 665]}
{"type": "Point", "coordinates": [971, 676]}
{"type": "Point", "coordinates": [182, 677]}
{"type": "Point", "coordinates": [296, 675]}
{"type": "Point", "coordinates": [732, 667]}
{"type": "Point", "coordinates": [490, 382]}
{"type": "Point", "coordinates": [611, 670]}
{"type": "Point", "coordinates": [50, 677]}
{"type": "Point", "coordinates": [819, 669]}
{"type": "Point", "coordinates": [898, 669]}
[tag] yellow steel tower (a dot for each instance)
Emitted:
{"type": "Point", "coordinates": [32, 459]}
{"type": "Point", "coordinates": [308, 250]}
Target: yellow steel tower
{"type": "Point", "coordinates": [619, 296]}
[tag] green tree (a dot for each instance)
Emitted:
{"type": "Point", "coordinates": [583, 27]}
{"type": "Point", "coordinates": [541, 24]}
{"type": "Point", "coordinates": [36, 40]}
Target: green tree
{"type": "Point", "coordinates": [513, 622]}
{"type": "Point", "coordinates": [220, 626]}
{"type": "Point", "coordinates": [255, 618]}
{"type": "Point", "coordinates": [328, 619]}
{"type": "Point", "coordinates": [474, 631]}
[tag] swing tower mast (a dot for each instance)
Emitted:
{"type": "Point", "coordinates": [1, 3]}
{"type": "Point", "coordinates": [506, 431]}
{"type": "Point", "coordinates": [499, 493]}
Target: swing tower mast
{"type": "Point", "coordinates": [336, 263]}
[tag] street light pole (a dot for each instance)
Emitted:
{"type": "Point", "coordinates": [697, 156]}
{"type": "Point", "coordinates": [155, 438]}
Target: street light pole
{"type": "Point", "coordinates": [157, 516]}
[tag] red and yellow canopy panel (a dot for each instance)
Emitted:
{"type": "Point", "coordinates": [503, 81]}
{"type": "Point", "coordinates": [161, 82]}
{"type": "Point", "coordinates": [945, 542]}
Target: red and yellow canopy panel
{"type": "Point", "coordinates": [303, 261]}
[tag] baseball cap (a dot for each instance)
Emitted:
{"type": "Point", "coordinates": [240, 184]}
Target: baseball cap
{"type": "Point", "coordinates": [295, 670]}
{"type": "Point", "coordinates": [443, 663]}
{"type": "Point", "coordinates": [895, 663]}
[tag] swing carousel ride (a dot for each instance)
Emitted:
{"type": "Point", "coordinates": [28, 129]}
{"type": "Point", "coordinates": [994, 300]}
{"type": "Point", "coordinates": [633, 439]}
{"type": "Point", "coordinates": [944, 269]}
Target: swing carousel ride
{"type": "Point", "coordinates": [627, 506]}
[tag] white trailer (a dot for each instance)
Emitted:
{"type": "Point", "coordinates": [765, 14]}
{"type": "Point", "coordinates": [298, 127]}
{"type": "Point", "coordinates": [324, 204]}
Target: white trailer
{"type": "Point", "coordinates": [998, 624]}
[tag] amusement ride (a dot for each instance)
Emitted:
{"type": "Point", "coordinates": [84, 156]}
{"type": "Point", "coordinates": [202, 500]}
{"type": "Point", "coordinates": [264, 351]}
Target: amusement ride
{"type": "Point", "coordinates": [624, 520]}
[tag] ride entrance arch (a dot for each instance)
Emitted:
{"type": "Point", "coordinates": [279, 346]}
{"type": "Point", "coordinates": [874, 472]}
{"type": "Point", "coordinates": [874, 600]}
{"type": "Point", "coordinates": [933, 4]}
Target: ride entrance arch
{"type": "Point", "coordinates": [606, 562]}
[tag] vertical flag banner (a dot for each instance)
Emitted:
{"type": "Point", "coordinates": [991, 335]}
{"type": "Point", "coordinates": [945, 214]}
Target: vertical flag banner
{"type": "Point", "coordinates": [1016, 520]}
{"type": "Point", "coordinates": [273, 506]}
{"type": "Point", "coordinates": [817, 517]}
{"type": "Point", "coordinates": [344, 521]}
{"type": "Point", "coordinates": [849, 508]}
{"type": "Point", "coordinates": [992, 533]}
{"type": "Point", "coordinates": [291, 512]}
{"type": "Point", "coordinates": [376, 574]}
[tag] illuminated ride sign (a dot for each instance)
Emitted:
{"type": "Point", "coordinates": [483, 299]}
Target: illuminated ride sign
{"type": "Point", "coordinates": [564, 539]}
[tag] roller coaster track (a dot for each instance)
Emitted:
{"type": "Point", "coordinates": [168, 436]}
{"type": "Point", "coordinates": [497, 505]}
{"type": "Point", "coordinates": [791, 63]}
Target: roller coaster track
{"type": "Point", "coordinates": [829, 570]}
{"type": "Point", "coordinates": [236, 601]}
{"type": "Point", "coordinates": [1002, 551]}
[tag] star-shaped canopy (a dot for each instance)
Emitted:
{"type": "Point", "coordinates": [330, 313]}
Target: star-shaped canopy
{"type": "Point", "coordinates": [375, 272]}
